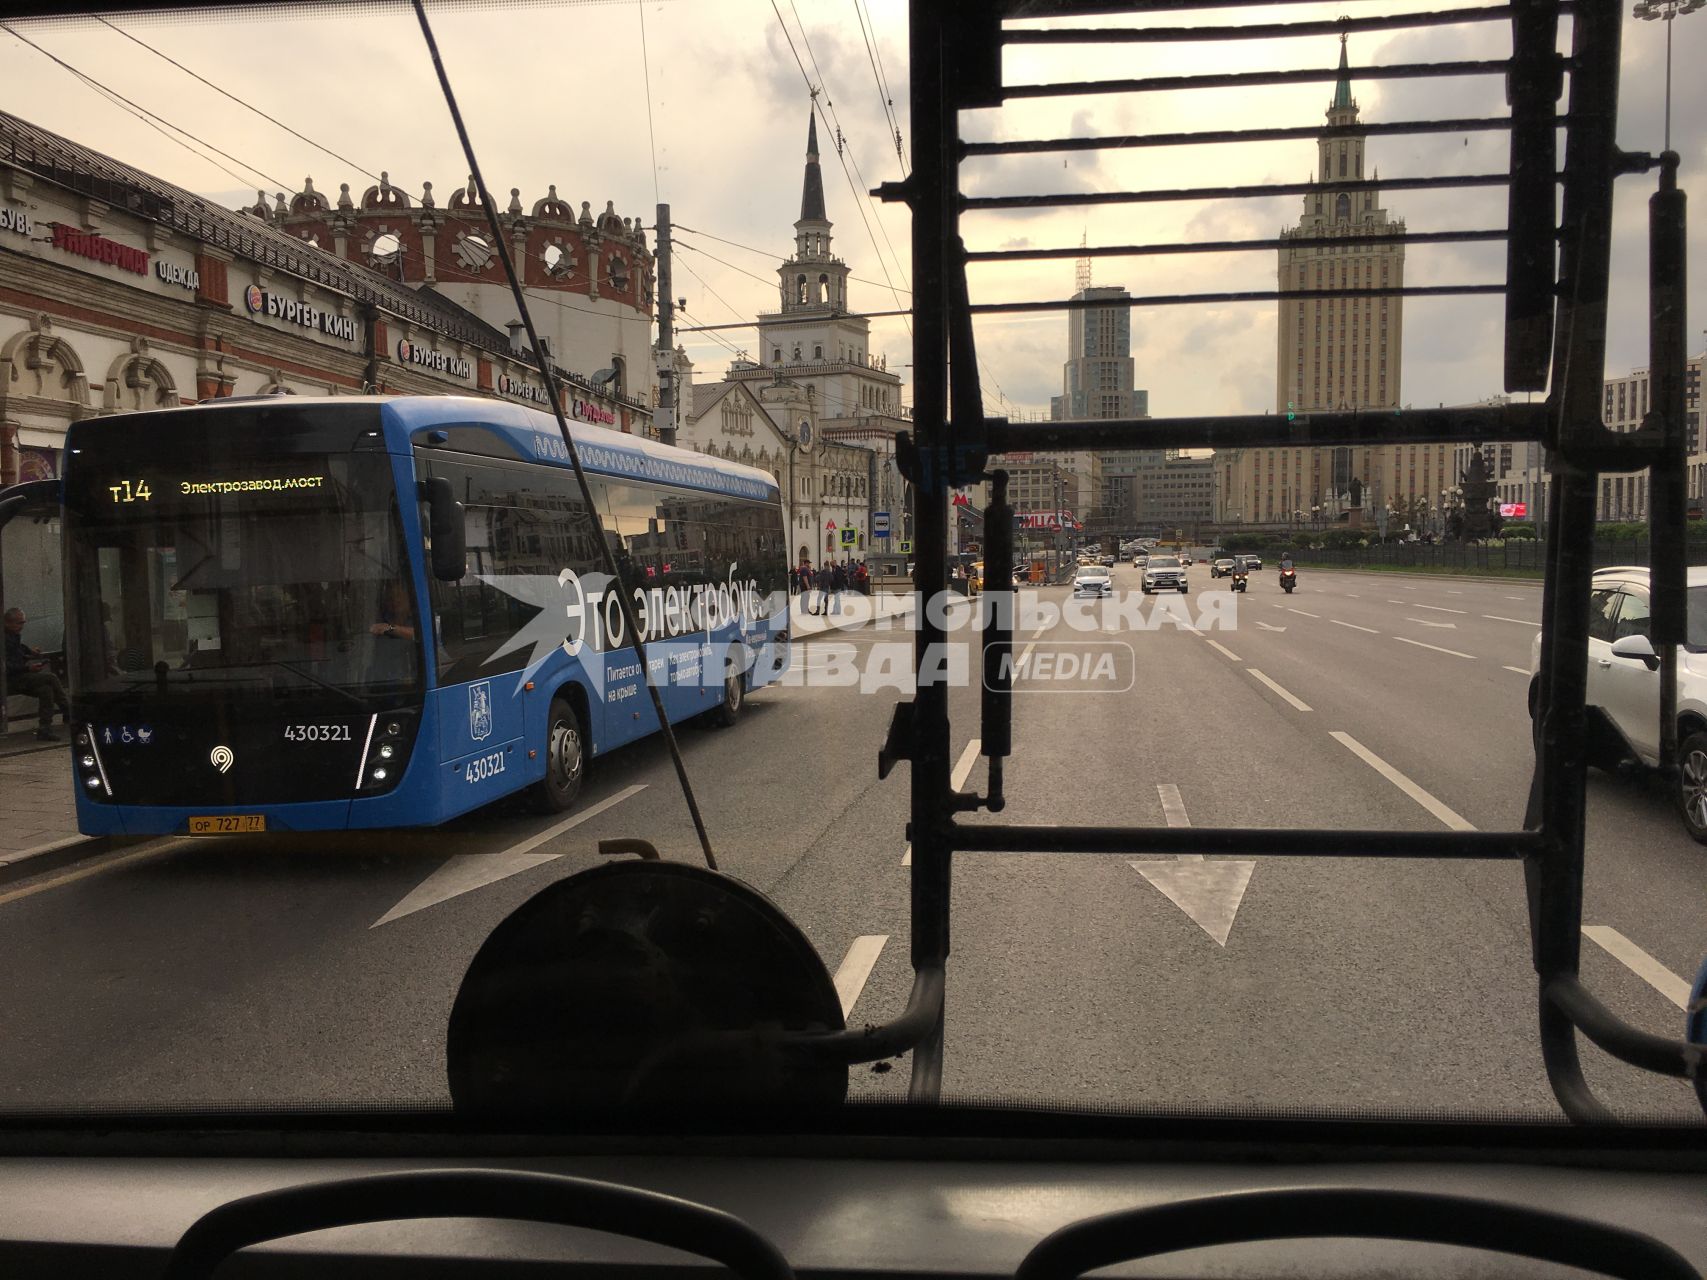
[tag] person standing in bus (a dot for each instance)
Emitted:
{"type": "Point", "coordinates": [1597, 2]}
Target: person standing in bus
{"type": "Point", "coordinates": [27, 673]}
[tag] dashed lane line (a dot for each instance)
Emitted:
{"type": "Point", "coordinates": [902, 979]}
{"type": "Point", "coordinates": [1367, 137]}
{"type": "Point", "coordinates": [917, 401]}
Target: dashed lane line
{"type": "Point", "coordinates": [856, 968]}
{"type": "Point", "coordinates": [1438, 608]}
{"type": "Point", "coordinates": [1371, 630]}
{"type": "Point", "coordinates": [962, 769]}
{"type": "Point", "coordinates": [1522, 671]}
{"type": "Point", "coordinates": [1302, 613]}
{"type": "Point", "coordinates": [1298, 703]}
{"type": "Point", "coordinates": [1224, 650]}
{"type": "Point", "coordinates": [1639, 962]}
{"type": "Point", "coordinates": [1399, 780]}
{"type": "Point", "coordinates": [1419, 644]}
{"type": "Point", "coordinates": [1522, 622]}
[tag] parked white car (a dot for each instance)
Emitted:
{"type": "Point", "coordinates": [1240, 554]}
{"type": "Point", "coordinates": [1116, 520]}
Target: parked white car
{"type": "Point", "coordinates": [1624, 684]}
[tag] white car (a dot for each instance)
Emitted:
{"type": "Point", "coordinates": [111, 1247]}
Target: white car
{"type": "Point", "coordinates": [1164, 573]}
{"type": "Point", "coordinates": [1093, 579]}
{"type": "Point", "coordinates": [1624, 684]}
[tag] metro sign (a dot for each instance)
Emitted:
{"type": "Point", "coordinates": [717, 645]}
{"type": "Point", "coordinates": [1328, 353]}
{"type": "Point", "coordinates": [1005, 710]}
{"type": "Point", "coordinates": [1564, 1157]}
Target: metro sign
{"type": "Point", "coordinates": [1514, 510]}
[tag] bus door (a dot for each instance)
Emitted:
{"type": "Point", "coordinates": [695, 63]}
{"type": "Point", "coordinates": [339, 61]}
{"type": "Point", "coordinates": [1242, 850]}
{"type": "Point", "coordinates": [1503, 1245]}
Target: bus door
{"type": "Point", "coordinates": [486, 718]}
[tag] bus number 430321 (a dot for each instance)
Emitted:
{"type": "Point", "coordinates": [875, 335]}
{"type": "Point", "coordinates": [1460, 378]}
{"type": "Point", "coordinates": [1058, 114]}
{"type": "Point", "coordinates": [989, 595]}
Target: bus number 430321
{"type": "Point", "coordinates": [483, 767]}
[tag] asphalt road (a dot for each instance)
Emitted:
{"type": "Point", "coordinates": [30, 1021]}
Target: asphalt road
{"type": "Point", "coordinates": [313, 971]}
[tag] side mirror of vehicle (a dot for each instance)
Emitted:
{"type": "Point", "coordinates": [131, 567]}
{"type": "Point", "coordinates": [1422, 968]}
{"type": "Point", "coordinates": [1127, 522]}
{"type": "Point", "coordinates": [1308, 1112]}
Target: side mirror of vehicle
{"type": "Point", "coordinates": [446, 528]}
{"type": "Point", "coordinates": [1637, 647]}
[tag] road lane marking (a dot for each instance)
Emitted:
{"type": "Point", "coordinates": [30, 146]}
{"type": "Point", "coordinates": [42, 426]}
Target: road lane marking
{"type": "Point", "coordinates": [1522, 622]}
{"type": "Point", "coordinates": [1208, 892]}
{"type": "Point", "coordinates": [1371, 630]}
{"type": "Point", "coordinates": [1419, 644]}
{"type": "Point", "coordinates": [113, 864]}
{"type": "Point", "coordinates": [1173, 804]}
{"type": "Point", "coordinates": [1297, 703]}
{"type": "Point", "coordinates": [1290, 609]}
{"type": "Point", "coordinates": [1454, 593]}
{"type": "Point", "coordinates": [1424, 622]}
{"type": "Point", "coordinates": [466, 872]}
{"type": "Point", "coordinates": [1522, 671]}
{"type": "Point", "coordinates": [856, 967]}
{"type": "Point", "coordinates": [1224, 650]}
{"type": "Point", "coordinates": [1400, 781]}
{"type": "Point", "coordinates": [1639, 962]}
{"type": "Point", "coordinates": [1439, 608]}
{"type": "Point", "coordinates": [1352, 595]}
{"type": "Point", "coordinates": [1514, 597]}
{"type": "Point", "coordinates": [962, 769]}
{"type": "Point", "coordinates": [1266, 627]}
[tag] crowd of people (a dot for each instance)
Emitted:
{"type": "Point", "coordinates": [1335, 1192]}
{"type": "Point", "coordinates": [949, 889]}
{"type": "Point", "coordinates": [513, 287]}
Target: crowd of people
{"type": "Point", "coordinates": [822, 588]}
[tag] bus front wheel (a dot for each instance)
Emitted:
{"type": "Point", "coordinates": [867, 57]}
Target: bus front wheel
{"type": "Point", "coordinates": [565, 759]}
{"type": "Point", "coordinates": [728, 711]}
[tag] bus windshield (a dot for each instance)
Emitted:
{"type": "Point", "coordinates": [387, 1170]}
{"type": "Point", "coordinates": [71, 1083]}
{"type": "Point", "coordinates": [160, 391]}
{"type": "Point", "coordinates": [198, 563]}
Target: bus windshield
{"type": "Point", "coordinates": [293, 577]}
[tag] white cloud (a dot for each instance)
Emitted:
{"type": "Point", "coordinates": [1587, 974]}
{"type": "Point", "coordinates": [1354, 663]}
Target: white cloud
{"type": "Point", "coordinates": [555, 95]}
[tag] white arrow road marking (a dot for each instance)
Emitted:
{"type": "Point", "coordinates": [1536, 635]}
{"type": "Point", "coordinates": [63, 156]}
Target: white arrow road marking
{"type": "Point", "coordinates": [857, 965]}
{"type": "Point", "coordinates": [1297, 703]}
{"type": "Point", "coordinates": [1639, 962]}
{"type": "Point", "coordinates": [1266, 627]}
{"type": "Point", "coordinates": [1208, 892]}
{"type": "Point", "coordinates": [1449, 626]}
{"type": "Point", "coordinates": [962, 768]}
{"type": "Point", "coordinates": [1400, 781]}
{"type": "Point", "coordinates": [1419, 644]}
{"type": "Point", "coordinates": [1522, 622]}
{"type": "Point", "coordinates": [467, 872]}
{"type": "Point", "coordinates": [1371, 630]}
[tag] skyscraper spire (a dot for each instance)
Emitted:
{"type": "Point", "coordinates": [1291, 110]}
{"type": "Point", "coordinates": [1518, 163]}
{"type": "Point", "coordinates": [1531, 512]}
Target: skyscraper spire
{"type": "Point", "coordinates": [1342, 90]}
{"type": "Point", "coordinates": [812, 191]}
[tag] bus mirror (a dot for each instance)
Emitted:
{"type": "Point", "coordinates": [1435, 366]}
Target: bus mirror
{"type": "Point", "coordinates": [445, 528]}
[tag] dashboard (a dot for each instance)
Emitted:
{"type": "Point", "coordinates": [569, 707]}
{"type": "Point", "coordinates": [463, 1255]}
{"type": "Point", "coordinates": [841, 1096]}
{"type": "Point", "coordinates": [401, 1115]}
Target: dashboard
{"type": "Point", "coordinates": [855, 1206]}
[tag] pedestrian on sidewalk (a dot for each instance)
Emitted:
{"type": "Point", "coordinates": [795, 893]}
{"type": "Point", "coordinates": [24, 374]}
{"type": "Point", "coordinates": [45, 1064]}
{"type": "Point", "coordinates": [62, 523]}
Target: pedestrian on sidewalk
{"type": "Point", "coordinates": [27, 673]}
{"type": "Point", "coordinates": [838, 584]}
{"type": "Point", "coordinates": [825, 579]}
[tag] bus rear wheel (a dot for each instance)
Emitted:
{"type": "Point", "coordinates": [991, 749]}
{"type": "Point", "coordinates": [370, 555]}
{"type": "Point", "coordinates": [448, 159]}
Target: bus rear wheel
{"type": "Point", "coordinates": [565, 759]}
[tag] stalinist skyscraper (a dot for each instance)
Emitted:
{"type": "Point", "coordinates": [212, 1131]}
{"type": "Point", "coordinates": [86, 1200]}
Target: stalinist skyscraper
{"type": "Point", "coordinates": [1334, 353]}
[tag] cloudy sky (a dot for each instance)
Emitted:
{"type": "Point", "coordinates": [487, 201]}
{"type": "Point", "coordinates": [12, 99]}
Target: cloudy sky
{"type": "Point", "coordinates": [557, 93]}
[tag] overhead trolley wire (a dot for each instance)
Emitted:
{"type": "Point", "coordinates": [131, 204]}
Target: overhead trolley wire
{"type": "Point", "coordinates": [239, 101]}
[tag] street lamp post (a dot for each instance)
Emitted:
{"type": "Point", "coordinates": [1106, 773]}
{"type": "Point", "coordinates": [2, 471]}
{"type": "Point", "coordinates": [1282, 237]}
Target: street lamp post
{"type": "Point", "coordinates": [1651, 10]}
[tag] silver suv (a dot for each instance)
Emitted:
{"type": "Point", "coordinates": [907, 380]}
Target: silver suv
{"type": "Point", "coordinates": [1624, 684]}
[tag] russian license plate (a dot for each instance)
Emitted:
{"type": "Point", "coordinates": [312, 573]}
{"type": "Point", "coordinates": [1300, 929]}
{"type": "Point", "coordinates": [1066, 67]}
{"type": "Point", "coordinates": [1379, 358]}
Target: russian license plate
{"type": "Point", "coordinates": [228, 824]}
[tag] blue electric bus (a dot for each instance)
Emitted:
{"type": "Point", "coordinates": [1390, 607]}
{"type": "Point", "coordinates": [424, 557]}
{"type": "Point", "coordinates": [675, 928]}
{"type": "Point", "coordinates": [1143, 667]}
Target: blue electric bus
{"type": "Point", "coordinates": [309, 614]}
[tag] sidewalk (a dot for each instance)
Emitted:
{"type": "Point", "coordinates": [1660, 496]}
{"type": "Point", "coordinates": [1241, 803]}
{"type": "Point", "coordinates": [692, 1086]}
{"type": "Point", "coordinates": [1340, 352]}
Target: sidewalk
{"type": "Point", "coordinates": [35, 795]}
{"type": "Point", "coordinates": [857, 611]}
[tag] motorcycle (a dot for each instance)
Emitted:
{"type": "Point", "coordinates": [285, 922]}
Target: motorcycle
{"type": "Point", "coordinates": [1239, 576]}
{"type": "Point", "coordinates": [1288, 580]}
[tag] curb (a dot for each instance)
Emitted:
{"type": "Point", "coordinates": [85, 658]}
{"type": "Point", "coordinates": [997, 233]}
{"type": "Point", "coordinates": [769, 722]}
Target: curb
{"type": "Point", "coordinates": [50, 856]}
{"type": "Point", "coordinates": [1401, 573]}
{"type": "Point", "coordinates": [33, 749]}
{"type": "Point", "coordinates": [73, 849]}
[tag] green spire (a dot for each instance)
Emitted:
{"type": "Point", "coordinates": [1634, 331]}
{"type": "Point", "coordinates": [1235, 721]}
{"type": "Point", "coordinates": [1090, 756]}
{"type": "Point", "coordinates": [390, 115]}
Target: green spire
{"type": "Point", "coordinates": [1342, 91]}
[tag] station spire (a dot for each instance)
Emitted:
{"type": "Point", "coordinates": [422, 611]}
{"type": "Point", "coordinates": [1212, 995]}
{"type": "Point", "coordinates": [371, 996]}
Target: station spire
{"type": "Point", "coordinates": [1342, 90]}
{"type": "Point", "coordinates": [812, 190]}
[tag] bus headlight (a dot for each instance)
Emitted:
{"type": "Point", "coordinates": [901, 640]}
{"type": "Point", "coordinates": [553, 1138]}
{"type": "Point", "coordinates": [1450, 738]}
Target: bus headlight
{"type": "Point", "coordinates": [387, 754]}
